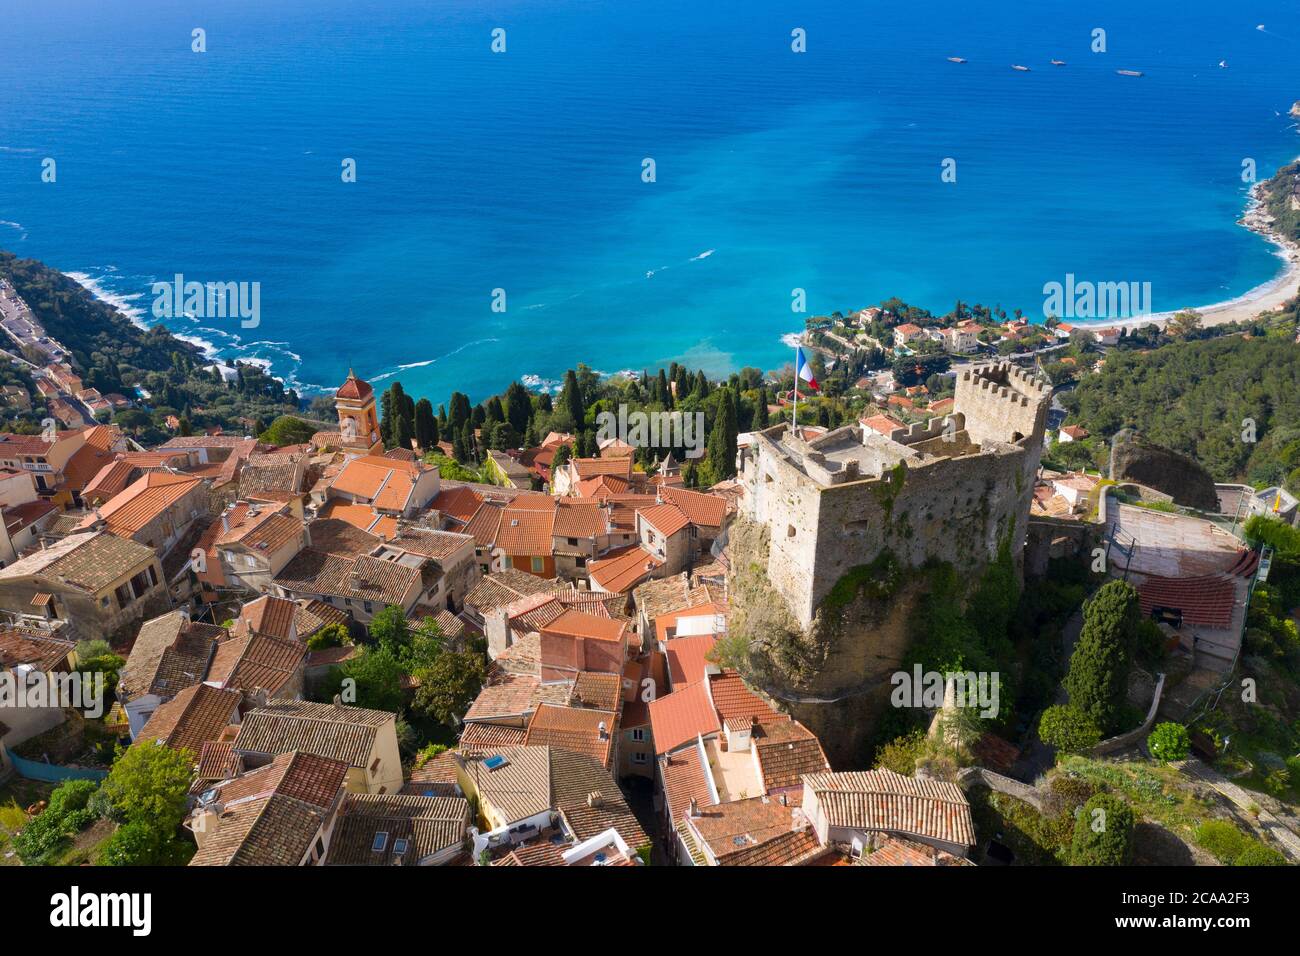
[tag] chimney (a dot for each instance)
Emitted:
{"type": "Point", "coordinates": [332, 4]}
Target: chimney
{"type": "Point", "coordinates": [695, 808]}
{"type": "Point", "coordinates": [603, 731]}
{"type": "Point", "coordinates": [225, 522]}
{"type": "Point", "coordinates": [595, 799]}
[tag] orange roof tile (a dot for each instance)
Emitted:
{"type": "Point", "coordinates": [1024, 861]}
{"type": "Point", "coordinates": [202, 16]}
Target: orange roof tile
{"type": "Point", "coordinates": [705, 511]}
{"type": "Point", "coordinates": [678, 718]}
{"type": "Point", "coordinates": [144, 500]}
{"type": "Point", "coordinates": [666, 519]}
{"type": "Point", "coordinates": [524, 532]}
{"type": "Point", "coordinates": [687, 658]}
{"type": "Point", "coordinates": [624, 569]}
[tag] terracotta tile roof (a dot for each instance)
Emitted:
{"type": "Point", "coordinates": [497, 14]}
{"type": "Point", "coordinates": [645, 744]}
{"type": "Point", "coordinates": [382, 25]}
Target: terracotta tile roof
{"type": "Point", "coordinates": [684, 780]}
{"type": "Point", "coordinates": [306, 777]}
{"type": "Point", "coordinates": [270, 615]}
{"type": "Point", "coordinates": [513, 695]}
{"type": "Point", "coordinates": [623, 509]}
{"type": "Point", "coordinates": [884, 800]}
{"type": "Point", "coordinates": [602, 486]}
{"type": "Point", "coordinates": [384, 482]}
{"type": "Point", "coordinates": [896, 851]}
{"type": "Point", "coordinates": [504, 587]}
{"type": "Point", "coordinates": [268, 831]}
{"type": "Point", "coordinates": [524, 656]}
{"type": "Point", "coordinates": [258, 662]}
{"type": "Point", "coordinates": [786, 750]}
{"type": "Point", "coordinates": [592, 467]}
{"type": "Point", "coordinates": [731, 832]}
{"type": "Point", "coordinates": [579, 518]}
{"type": "Point", "coordinates": [312, 615]}
{"type": "Point", "coordinates": [704, 511]}
{"type": "Point", "coordinates": [573, 623]}
{"type": "Point", "coordinates": [360, 579]}
{"type": "Point", "coordinates": [678, 718]}
{"type": "Point", "coordinates": [438, 545]}
{"type": "Point", "coordinates": [278, 472]}
{"type": "Point", "coordinates": [354, 389]}
{"type": "Point", "coordinates": [733, 699]}
{"type": "Point", "coordinates": [460, 503]}
{"type": "Point", "coordinates": [662, 595]}
{"type": "Point", "coordinates": [623, 569]}
{"type": "Point", "coordinates": [434, 778]}
{"type": "Point", "coordinates": [518, 788]}
{"type": "Point", "coordinates": [687, 657]}
{"type": "Point", "coordinates": [426, 826]}
{"type": "Point", "coordinates": [882, 424]}
{"type": "Point", "coordinates": [88, 460]}
{"type": "Point", "coordinates": [573, 728]}
{"type": "Point", "coordinates": [479, 736]}
{"type": "Point", "coordinates": [194, 716]}
{"type": "Point", "coordinates": [141, 502]}
{"type": "Point", "coordinates": [666, 519]}
{"type": "Point", "coordinates": [589, 799]}
{"type": "Point", "coordinates": [217, 762]}
{"type": "Point", "coordinates": [525, 532]}
{"type": "Point", "coordinates": [339, 538]}
{"type": "Point", "coordinates": [601, 691]}
{"type": "Point", "coordinates": [485, 524]}
{"type": "Point", "coordinates": [37, 649]}
{"type": "Point", "coordinates": [363, 517]}
{"type": "Point", "coordinates": [327, 730]}
{"type": "Point", "coordinates": [532, 854]}
{"type": "Point", "coordinates": [89, 560]}
{"type": "Point", "coordinates": [169, 653]}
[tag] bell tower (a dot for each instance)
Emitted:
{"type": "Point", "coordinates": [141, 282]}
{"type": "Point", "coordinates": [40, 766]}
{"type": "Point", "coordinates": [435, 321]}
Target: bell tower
{"type": "Point", "coordinates": [358, 423]}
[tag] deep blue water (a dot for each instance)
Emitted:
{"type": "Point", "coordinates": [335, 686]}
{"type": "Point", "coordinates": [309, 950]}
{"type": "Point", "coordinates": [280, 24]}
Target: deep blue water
{"type": "Point", "coordinates": [522, 170]}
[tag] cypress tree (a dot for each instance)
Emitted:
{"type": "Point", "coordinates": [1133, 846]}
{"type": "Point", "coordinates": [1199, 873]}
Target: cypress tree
{"type": "Point", "coordinates": [426, 426]}
{"type": "Point", "coordinates": [760, 413]}
{"type": "Point", "coordinates": [386, 419]}
{"type": "Point", "coordinates": [1099, 667]}
{"type": "Point", "coordinates": [519, 407]}
{"type": "Point", "coordinates": [402, 433]}
{"type": "Point", "coordinates": [572, 398]}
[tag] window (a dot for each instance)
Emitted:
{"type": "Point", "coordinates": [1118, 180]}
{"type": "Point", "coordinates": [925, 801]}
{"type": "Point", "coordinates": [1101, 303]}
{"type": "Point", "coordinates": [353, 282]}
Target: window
{"type": "Point", "coordinates": [369, 607]}
{"type": "Point", "coordinates": [399, 847]}
{"type": "Point", "coordinates": [580, 561]}
{"type": "Point", "coordinates": [380, 842]}
{"type": "Point", "coordinates": [573, 542]}
{"type": "Point", "coordinates": [374, 767]}
{"type": "Point", "coordinates": [638, 734]}
{"type": "Point", "coordinates": [639, 756]}
{"type": "Point", "coordinates": [539, 565]}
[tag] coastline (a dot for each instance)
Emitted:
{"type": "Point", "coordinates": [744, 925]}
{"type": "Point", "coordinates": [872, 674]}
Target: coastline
{"type": "Point", "coordinates": [1263, 298]}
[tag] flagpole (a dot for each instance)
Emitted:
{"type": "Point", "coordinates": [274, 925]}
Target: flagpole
{"type": "Point", "coordinates": [794, 422]}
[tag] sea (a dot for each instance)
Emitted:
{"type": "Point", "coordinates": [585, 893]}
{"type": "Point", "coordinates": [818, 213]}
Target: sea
{"type": "Point", "coordinates": [625, 183]}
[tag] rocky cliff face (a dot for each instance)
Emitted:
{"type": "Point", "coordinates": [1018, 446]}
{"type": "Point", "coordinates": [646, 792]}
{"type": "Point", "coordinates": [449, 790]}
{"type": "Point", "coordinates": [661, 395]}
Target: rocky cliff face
{"type": "Point", "coordinates": [1132, 458]}
{"type": "Point", "coordinates": [834, 675]}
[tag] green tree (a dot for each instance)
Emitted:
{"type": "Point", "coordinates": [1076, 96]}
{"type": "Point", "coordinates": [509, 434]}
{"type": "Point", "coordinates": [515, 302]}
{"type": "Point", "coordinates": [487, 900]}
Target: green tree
{"type": "Point", "coordinates": [449, 685]}
{"type": "Point", "coordinates": [331, 635]}
{"type": "Point", "coordinates": [519, 407]}
{"type": "Point", "coordinates": [372, 679]}
{"type": "Point", "coordinates": [150, 783]}
{"type": "Point", "coordinates": [138, 843]}
{"type": "Point", "coordinates": [1068, 729]}
{"type": "Point", "coordinates": [1169, 741]}
{"type": "Point", "coordinates": [426, 425]}
{"type": "Point", "coordinates": [1099, 668]}
{"type": "Point", "coordinates": [1103, 833]}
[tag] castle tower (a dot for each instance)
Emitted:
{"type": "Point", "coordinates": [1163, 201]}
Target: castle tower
{"type": "Point", "coordinates": [358, 422]}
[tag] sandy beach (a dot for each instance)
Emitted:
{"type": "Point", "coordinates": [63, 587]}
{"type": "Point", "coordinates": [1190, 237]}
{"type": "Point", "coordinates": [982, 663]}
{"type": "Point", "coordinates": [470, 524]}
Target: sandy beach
{"type": "Point", "coordinates": [1269, 295]}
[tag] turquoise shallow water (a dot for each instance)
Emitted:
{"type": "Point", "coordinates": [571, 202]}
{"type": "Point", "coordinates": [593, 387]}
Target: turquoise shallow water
{"type": "Point", "coordinates": [522, 171]}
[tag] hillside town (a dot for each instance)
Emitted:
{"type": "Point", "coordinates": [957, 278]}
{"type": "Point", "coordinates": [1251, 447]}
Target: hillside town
{"type": "Point", "coordinates": [425, 641]}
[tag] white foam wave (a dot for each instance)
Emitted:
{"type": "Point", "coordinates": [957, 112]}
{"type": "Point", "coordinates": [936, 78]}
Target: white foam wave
{"type": "Point", "coordinates": [703, 255]}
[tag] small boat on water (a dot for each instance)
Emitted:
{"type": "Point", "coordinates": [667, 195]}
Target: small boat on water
{"type": "Point", "coordinates": [1017, 66]}
{"type": "Point", "coordinates": [1223, 64]}
{"type": "Point", "coordinates": [1058, 63]}
{"type": "Point", "coordinates": [1129, 72]}
{"type": "Point", "coordinates": [956, 59]}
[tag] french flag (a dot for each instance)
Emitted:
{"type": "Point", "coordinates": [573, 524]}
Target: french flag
{"type": "Point", "coordinates": [803, 370]}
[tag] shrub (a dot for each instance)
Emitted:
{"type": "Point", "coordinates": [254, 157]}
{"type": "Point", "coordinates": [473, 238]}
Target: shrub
{"type": "Point", "coordinates": [43, 839]}
{"type": "Point", "coordinates": [1222, 839]}
{"type": "Point", "coordinates": [1103, 833]}
{"type": "Point", "coordinates": [1169, 741]}
{"type": "Point", "coordinates": [1257, 854]}
{"type": "Point", "coordinates": [1068, 729]}
{"type": "Point", "coordinates": [139, 843]}
{"type": "Point", "coordinates": [331, 635]}
{"type": "Point", "coordinates": [901, 753]}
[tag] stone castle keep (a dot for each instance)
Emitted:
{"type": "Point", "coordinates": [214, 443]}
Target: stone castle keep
{"type": "Point", "coordinates": [954, 489]}
{"type": "Point", "coordinates": [950, 489]}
